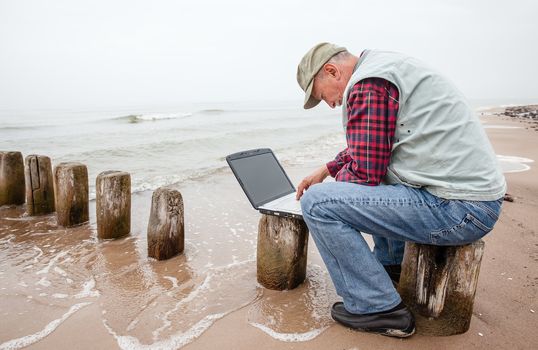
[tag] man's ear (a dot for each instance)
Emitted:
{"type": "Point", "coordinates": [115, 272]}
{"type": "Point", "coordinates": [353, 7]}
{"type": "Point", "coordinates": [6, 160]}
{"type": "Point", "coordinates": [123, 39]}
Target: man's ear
{"type": "Point", "coordinates": [331, 70]}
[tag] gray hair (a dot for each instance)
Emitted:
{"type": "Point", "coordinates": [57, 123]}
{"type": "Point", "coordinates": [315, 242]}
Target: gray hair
{"type": "Point", "coordinates": [336, 59]}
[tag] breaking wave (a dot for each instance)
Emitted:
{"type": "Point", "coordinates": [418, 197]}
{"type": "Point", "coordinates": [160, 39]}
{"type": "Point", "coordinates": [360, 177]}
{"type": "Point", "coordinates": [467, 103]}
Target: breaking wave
{"type": "Point", "coordinates": [139, 118]}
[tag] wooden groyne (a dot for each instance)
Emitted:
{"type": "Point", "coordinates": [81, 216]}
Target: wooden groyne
{"type": "Point", "coordinates": [12, 182]}
{"type": "Point", "coordinates": [71, 193]}
{"type": "Point", "coordinates": [166, 226]}
{"type": "Point", "coordinates": [39, 185]}
{"type": "Point", "coordinates": [113, 204]}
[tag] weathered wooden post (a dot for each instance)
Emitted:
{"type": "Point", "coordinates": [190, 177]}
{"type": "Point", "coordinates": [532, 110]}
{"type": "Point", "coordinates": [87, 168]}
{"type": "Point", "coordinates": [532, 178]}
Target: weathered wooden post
{"type": "Point", "coordinates": [439, 283]}
{"type": "Point", "coordinates": [39, 185]}
{"type": "Point", "coordinates": [71, 193]}
{"type": "Point", "coordinates": [113, 204]}
{"type": "Point", "coordinates": [166, 227]}
{"type": "Point", "coordinates": [12, 187]}
{"type": "Point", "coordinates": [282, 252]}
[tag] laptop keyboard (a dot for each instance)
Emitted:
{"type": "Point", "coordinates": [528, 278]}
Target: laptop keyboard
{"type": "Point", "coordinates": [290, 206]}
{"type": "Point", "coordinates": [286, 204]}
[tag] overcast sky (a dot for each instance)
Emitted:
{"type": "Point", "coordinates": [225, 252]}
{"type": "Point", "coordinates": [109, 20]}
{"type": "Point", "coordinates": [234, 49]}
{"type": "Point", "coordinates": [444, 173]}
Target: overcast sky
{"type": "Point", "coordinates": [127, 53]}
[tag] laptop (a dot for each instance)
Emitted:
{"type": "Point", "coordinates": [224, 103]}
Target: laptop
{"type": "Point", "coordinates": [264, 181]}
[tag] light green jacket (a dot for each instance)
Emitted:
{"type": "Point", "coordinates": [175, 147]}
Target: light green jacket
{"type": "Point", "coordinates": [439, 143]}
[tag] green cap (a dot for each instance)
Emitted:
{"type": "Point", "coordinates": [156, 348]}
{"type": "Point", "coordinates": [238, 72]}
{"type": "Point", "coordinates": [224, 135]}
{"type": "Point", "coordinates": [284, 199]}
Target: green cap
{"type": "Point", "coordinates": [310, 65]}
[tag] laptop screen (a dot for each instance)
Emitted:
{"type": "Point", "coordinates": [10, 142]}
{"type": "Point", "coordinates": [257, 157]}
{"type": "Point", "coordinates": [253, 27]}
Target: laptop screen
{"type": "Point", "coordinates": [260, 175]}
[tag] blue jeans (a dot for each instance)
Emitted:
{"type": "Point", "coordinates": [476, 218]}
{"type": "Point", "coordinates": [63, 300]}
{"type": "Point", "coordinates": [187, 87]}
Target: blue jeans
{"type": "Point", "coordinates": [337, 213]}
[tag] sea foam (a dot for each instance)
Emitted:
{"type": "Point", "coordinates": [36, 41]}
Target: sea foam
{"type": "Point", "coordinates": [290, 337]}
{"type": "Point", "coordinates": [512, 164]}
{"type": "Point", "coordinates": [176, 341]}
{"type": "Point", "coordinates": [49, 328]}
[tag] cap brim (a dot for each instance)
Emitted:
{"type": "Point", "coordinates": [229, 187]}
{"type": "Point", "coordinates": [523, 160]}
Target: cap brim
{"type": "Point", "coordinates": [309, 100]}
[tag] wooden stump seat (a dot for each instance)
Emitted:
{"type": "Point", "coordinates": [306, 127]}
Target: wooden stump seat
{"type": "Point", "coordinates": [282, 252]}
{"type": "Point", "coordinates": [438, 284]}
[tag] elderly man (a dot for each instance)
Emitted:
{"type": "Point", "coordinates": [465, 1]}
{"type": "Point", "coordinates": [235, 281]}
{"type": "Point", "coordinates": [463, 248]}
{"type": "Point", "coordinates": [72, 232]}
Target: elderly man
{"type": "Point", "coordinates": [418, 167]}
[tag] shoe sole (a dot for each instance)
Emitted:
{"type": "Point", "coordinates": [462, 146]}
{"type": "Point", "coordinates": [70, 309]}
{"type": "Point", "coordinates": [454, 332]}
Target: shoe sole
{"type": "Point", "coordinates": [389, 332]}
{"type": "Point", "coordinates": [396, 333]}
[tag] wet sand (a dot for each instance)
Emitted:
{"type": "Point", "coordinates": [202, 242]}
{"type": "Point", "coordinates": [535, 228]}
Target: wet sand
{"type": "Point", "coordinates": [64, 288]}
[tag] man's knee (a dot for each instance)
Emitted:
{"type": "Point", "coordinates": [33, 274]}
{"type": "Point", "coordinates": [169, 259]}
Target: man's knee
{"type": "Point", "coordinates": [312, 197]}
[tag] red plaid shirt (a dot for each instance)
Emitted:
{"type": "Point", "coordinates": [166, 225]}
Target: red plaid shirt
{"type": "Point", "coordinates": [372, 107]}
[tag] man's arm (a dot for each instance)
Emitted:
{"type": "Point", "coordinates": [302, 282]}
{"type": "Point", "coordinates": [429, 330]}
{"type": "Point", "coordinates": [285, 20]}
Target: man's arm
{"type": "Point", "coordinates": [339, 161]}
{"type": "Point", "coordinates": [372, 108]}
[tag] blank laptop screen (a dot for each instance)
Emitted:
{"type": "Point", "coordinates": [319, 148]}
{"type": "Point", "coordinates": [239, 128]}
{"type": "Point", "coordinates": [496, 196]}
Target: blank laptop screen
{"type": "Point", "coordinates": [262, 177]}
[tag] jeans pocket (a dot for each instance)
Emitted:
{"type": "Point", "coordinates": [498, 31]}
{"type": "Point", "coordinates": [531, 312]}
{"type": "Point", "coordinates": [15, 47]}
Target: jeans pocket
{"type": "Point", "coordinates": [492, 208]}
{"type": "Point", "coordinates": [484, 226]}
{"type": "Point", "coordinates": [468, 230]}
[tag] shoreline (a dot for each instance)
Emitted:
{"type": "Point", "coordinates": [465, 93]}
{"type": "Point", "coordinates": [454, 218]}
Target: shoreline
{"type": "Point", "coordinates": [134, 301]}
{"type": "Point", "coordinates": [525, 114]}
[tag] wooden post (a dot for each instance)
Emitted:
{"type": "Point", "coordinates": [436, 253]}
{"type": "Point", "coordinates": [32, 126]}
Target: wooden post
{"type": "Point", "coordinates": [113, 204]}
{"type": "Point", "coordinates": [439, 283]}
{"type": "Point", "coordinates": [282, 252]}
{"type": "Point", "coordinates": [71, 193]}
{"type": "Point", "coordinates": [39, 185]}
{"type": "Point", "coordinates": [166, 227]}
{"type": "Point", "coordinates": [12, 188]}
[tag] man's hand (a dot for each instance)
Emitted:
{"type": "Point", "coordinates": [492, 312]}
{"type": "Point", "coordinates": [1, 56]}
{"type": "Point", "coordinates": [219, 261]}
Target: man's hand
{"type": "Point", "coordinates": [316, 177]}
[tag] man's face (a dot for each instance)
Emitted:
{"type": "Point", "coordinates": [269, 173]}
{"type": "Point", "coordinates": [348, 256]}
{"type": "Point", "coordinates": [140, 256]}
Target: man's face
{"type": "Point", "coordinates": [329, 87]}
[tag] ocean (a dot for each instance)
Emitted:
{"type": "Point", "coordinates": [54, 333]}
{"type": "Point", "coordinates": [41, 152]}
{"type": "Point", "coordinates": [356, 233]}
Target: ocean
{"type": "Point", "coordinates": [163, 147]}
{"type": "Point", "coordinates": [166, 146]}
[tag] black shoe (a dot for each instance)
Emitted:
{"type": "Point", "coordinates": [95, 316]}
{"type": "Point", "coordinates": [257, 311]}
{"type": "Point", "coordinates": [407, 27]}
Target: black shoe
{"type": "Point", "coordinates": [394, 272]}
{"type": "Point", "coordinates": [397, 322]}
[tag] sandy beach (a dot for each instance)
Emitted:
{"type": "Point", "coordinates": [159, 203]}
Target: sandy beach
{"type": "Point", "coordinates": [64, 288]}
